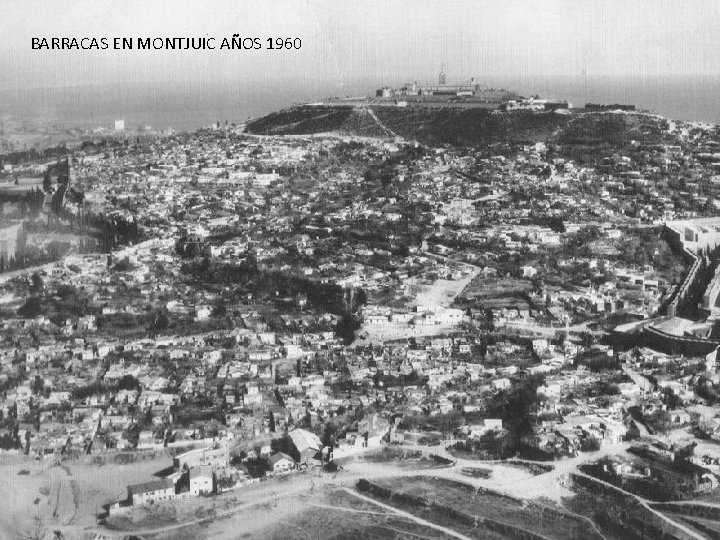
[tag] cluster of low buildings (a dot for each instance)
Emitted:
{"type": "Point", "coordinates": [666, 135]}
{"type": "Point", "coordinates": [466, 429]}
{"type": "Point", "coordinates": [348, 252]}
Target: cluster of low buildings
{"type": "Point", "coordinates": [463, 271]}
{"type": "Point", "coordinates": [207, 470]}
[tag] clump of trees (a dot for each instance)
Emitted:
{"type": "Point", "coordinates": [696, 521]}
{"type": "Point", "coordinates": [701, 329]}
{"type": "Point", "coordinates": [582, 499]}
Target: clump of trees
{"type": "Point", "coordinates": [516, 407]}
{"type": "Point", "coordinates": [346, 328]}
{"type": "Point", "coordinates": [286, 446]}
{"type": "Point", "coordinates": [446, 423]}
{"type": "Point", "coordinates": [493, 444]}
{"type": "Point", "coordinates": [327, 297]}
{"type": "Point", "coordinates": [31, 308]}
{"type": "Point", "coordinates": [190, 247]}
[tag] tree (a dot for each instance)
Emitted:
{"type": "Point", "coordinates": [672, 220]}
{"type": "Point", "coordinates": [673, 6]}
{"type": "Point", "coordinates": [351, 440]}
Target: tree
{"type": "Point", "coordinates": [658, 421]}
{"type": "Point", "coordinates": [329, 434]}
{"type": "Point", "coordinates": [670, 399]}
{"type": "Point", "coordinates": [128, 382]}
{"type": "Point", "coordinates": [587, 339]}
{"type": "Point", "coordinates": [590, 444]}
{"type": "Point", "coordinates": [346, 327]}
{"type": "Point", "coordinates": [31, 308]}
{"type": "Point", "coordinates": [482, 350]}
{"type": "Point", "coordinates": [286, 446]}
{"type": "Point", "coordinates": [160, 322]}
{"type": "Point", "coordinates": [47, 182]}
{"type": "Point", "coordinates": [497, 444]}
{"type": "Point", "coordinates": [219, 310]}
{"type": "Point", "coordinates": [449, 423]}
{"type": "Point", "coordinates": [38, 384]}
{"type": "Point", "coordinates": [515, 407]}
{"type": "Point", "coordinates": [490, 319]}
{"type": "Point", "coordinates": [37, 282]}
{"type": "Point", "coordinates": [256, 467]}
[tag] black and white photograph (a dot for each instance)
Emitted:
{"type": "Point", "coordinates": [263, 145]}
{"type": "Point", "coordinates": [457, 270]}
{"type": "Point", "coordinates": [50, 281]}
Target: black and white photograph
{"type": "Point", "coordinates": [364, 269]}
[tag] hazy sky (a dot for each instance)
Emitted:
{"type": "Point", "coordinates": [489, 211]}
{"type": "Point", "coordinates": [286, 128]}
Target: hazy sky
{"type": "Point", "coordinates": [350, 47]}
{"type": "Point", "coordinates": [361, 41]}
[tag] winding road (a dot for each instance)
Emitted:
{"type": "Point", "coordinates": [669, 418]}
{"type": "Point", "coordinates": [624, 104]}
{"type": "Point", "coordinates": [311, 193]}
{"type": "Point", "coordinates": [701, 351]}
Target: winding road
{"type": "Point", "coordinates": [505, 478]}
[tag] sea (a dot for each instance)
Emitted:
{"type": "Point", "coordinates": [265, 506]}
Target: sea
{"type": "Point", "coordinates": [688, 97]}
{"type": "Point", "coordinates": [191, 106]}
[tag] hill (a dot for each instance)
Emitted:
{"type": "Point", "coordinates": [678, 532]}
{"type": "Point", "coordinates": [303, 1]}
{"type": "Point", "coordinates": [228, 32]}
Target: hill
{"type": "Point", "coordinates": [577, 133]}
{"type": "Point", "coordinates": [434, 126]}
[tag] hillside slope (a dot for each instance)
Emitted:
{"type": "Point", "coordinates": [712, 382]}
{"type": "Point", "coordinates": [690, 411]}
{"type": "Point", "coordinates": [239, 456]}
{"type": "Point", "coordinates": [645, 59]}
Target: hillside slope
{"type": "Point", "coordinates": [433, 126]}
{"type": "Point", "coordinates": [576, 133]}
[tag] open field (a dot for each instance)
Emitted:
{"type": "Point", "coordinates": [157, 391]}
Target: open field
{"type": "Point", "coordinates": [478, 512]}
{"type": "Point", "coordinates": [619, 514]}
{"type": "Point", "coordinates": [7, 186]}
{"type": "Point", "coordinates": [417, 495]}
{"type": "Point", "coordinates": [494, 293]}
{"type": "Point", "coordinates": [668, 481]}
{"type": "Point", "coordinates": [338, 514]}
{"type": "Point", "coordinates": [68, 495]}
{"type": "Point", "coordinates": [700, 515]}
{"type": "Point", "coordinates": [442, 292]}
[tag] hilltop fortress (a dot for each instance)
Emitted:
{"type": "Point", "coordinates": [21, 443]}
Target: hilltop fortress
{"type": "Point", "coordinates": [468, 94]}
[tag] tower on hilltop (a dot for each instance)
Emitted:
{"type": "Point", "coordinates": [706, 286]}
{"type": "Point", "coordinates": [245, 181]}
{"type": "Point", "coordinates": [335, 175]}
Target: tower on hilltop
{"type": "Point", "coordinates": [442, 79]}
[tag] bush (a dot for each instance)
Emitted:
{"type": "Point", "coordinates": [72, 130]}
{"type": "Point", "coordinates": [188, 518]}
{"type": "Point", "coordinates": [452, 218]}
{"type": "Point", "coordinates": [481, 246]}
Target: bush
{"type": "Point", "coordinates": [31, 308]}
{"type": "Point", "coordinates": [590, 444]}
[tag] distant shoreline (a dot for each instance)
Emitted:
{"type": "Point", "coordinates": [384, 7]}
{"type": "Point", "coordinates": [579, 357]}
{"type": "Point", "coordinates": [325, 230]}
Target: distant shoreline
{"type": "Point", "coordinates": [685, 98]}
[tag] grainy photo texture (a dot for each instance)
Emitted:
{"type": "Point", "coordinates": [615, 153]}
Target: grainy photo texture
{"type": "Point", "coordinates": [309, 269]}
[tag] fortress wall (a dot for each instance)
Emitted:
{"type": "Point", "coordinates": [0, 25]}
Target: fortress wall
{"type": "Point", "coordinates": [672, 344]}
{"type": "Point", "coordinates": [683, 294]}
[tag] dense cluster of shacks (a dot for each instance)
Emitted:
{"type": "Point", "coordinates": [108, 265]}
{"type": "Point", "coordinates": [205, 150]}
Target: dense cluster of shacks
{"type": "Point", "coordinates": [86, 385]}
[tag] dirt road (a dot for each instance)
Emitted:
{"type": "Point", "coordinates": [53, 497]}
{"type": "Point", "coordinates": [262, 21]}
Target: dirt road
{"type": "Point", "coordinates": [510, 480]}
{"type": "Point", "coordinates": [407, 515]}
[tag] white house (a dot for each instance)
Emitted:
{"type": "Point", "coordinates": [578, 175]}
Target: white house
{"type": "Point", "coordinates": [151, 492]}
{"type": "Point", "coordinates": [201, 480]}
{"type": "Point", "coordinates": [281, 463]}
